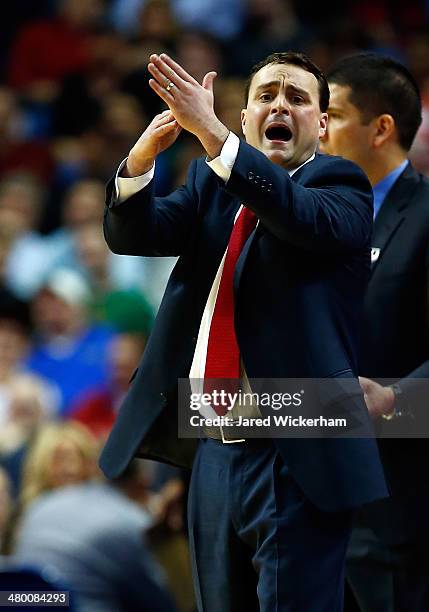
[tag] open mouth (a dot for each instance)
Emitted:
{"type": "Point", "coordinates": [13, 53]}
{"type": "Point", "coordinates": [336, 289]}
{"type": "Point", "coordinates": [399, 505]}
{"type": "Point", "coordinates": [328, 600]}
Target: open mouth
{"type": "Point", "coordinates": [278, 132]}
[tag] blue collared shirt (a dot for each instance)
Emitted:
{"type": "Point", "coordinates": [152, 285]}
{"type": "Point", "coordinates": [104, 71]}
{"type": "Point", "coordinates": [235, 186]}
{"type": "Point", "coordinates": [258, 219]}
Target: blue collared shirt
{"type": "Point", "coordinates": [382, 188]}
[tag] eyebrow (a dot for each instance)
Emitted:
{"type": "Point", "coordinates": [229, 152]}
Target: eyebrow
{"type": "Point", "coordinates": [276, 82]}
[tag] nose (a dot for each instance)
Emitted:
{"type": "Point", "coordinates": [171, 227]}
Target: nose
{"type": "Point", "coordinates": [280, 105]}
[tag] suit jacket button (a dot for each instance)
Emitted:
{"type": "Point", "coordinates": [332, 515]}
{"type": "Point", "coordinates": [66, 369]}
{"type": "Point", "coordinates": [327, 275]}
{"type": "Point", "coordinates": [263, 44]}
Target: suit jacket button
{"type": "Point", "coordinates": [250, 176]}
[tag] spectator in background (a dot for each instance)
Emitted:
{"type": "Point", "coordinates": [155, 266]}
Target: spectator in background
{"type": "Point", "coordinates": [374, 114]}
{"type": "Point", "coordinates": [132, 317]}
{"type": "Point", "coordinates": [219, 18]}
{"type": "Point", "coordinates": [76, 245]}
{"type": "Point", "coordinates": [6, 241]}
{"type": "Point", "coordinates": [94, 258]}
{"type": "Point", "coordinates": [85, 532]}
{"type": "Point", "coordinates": [417, 54]}
{"type": "Point", "coordinates": [33, 257]}
{"type": "Point", "coordinates": [162, 491]}
{"type": "Point", "coordinates": [269, 25]}
{"type": "Point", "coordinates": [21, 199]}
{"type": "Point", "coordinates": [21, 205]}
{"type": "Point", "coordinates": [69, 350]}
{"type": "Point", "coordinates": [157, 24]}
{"type": "Point", "coordinates": [21, 152]}
{"type": "Point", "coordinates": [31, 403]}
{"type": "Point", "coordinates": [15, 329]}
{"type": "Point", "coordinates": [81, 245]}
{"type": "Point", "coordinates": [46, 51]}
{"type": "Point", "coordinates": [6, 504]}
{"type": "Point", "coordinates": [128, 312]}
{"type": "Point", "coordinates": [120, 114]}
{"type": "Point", "coordinates": [92, 537]}
{"type": "Point", "coordinates": [199, 53]}
{"type": "Point", "coordinates": [111, 276]}
{"type": "Point", "coordinates": [80, 205]}
{"type": "Point", "coordinates": [61, 454]}
{"type": "Point", "coordinates": [229, 101]}
{"type": "Point", "coordinates": [222, 19]}
{"type": "Point", "coordinates": [97, 409]}
{"type": "Point", "coordinates": [154, 27]}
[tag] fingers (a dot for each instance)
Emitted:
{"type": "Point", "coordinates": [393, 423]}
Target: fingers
{"type": "Point", "coordinates": [167, 127]}
{"type": "Point", "coordinates": [165, 70]}
{"type": "Point", "coordinates": [163, 77]}
{"type": "Point", "coordinates": [163, 118]}
{"type": "Point", "coordinates": [169, 67]}
{"type": "Point", "coordinates": [365, 387]}
{"type": "Point", "coordinates": [208, 80]}
{"type": "Point", "coordinates": [161, 92]}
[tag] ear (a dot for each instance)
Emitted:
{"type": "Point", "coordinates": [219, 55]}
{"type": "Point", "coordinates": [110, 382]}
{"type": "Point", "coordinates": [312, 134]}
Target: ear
{"type": "Point", "coordinates": [323, 124]}
{"type": "Point", "coordinates": [384, 129]}
{"type": "Point", "coordinates": [243, 121]}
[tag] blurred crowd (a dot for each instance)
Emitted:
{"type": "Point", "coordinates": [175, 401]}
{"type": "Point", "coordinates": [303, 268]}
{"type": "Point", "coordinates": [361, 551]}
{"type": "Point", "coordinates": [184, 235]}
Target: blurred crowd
{"type": "Point", "coordinates": [74, 318]}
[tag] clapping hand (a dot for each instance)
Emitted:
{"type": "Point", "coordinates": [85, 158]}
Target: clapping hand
{"type": "Point", "coordinates": [158, 136]}
{"type": "Point", "coordinates": [379, 400]}
{"type": "Point", "coordinates": [191, 104]}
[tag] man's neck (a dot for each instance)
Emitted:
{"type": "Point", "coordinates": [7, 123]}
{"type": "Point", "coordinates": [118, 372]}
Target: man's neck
{"type": "Point", "coordinates": [384, 165]}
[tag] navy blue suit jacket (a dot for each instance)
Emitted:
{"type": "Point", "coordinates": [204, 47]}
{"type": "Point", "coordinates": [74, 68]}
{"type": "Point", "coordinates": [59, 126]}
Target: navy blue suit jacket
{"type": "Point", "coordinates": [299, 286]}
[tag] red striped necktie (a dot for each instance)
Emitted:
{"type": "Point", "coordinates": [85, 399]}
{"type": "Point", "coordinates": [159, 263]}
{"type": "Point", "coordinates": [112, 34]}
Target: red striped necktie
{"type": "Point", "coordinates": [223, 354]}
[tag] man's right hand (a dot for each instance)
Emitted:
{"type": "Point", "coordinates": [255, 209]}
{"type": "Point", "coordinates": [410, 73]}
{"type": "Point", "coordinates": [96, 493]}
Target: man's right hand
{"type": "Point", "coordinates": [158, 136]}
{"type": "Point", "coordinates": [379, 400]}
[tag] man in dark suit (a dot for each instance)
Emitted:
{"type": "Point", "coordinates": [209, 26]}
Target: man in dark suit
{"type": "Point", "coordinates": [273, 242]}
{"type": "Point", "coordinates": [374, 114]}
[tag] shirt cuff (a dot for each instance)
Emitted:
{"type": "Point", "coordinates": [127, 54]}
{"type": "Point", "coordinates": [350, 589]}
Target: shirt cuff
{"type": "Point", "coordinates": [126, 186]}
{"type": "Point", "coordinates": [222, 165]}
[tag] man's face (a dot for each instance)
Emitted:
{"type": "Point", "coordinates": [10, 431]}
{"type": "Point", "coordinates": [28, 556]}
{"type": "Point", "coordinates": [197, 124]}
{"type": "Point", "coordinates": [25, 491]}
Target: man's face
{"type": "Point", "coordinates": [283, 117]}
{"type": "Point", "coordinates": [346, 135]}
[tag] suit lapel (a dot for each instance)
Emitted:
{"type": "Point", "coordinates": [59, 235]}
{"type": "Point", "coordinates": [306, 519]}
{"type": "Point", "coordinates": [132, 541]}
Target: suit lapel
{"type": "Point", "coordinates": [392, 213]}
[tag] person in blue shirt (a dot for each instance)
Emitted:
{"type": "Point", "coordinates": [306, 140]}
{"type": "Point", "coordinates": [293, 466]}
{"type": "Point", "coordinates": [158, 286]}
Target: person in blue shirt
{"type": "Point", "coordinates": [374, 114]}
{"type": "Point", "coordinates": [69, 350]}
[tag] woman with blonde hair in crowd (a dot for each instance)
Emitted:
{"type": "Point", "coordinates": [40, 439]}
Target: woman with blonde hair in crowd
{"type": "Point", "coordinates": [83, 530]}
{"type": "Point", "coordinates": [62, 454]}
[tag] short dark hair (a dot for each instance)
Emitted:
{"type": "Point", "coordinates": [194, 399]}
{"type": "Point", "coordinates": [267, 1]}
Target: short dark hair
{"type": "Point", "coordinates": [379, 85]}
{"type": "Point", "coordinates": [296, 59]}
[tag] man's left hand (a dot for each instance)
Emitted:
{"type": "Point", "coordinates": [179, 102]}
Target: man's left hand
{"type": "Point", "coordinates": [192, 104]}
{"type": "Point", "coordinates": [379, 400]}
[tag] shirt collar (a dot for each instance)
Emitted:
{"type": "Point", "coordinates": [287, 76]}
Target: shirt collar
{"type": "Point", "coordinates": [291, 172]}
{"type": "Point", "coordinates": [382, 188]}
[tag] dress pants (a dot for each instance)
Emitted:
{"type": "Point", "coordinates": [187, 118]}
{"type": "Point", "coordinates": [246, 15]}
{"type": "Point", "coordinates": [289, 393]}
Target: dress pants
{"type": "Point", "coordinates": [388, 577]}
{"type": "Point", "coordinates": [257, 543]}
